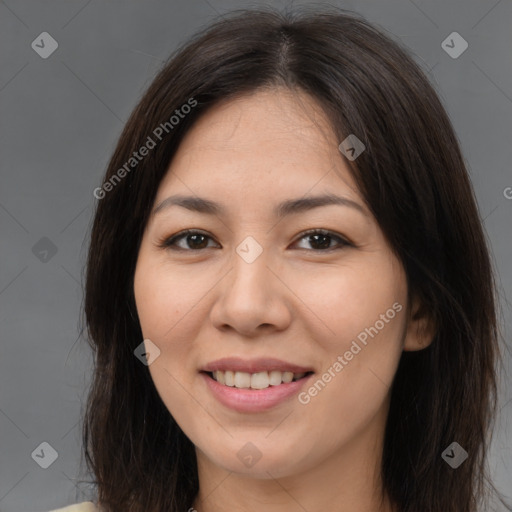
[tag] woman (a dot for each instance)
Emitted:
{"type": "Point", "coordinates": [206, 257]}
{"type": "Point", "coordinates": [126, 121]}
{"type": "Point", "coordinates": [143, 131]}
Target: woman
{"type": "Point", "coordinates": [289, 293]}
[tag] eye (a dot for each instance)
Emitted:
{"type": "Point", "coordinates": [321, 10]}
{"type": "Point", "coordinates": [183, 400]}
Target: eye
{"type": "Point", "coordinates": [197, 240]}
{"type": "Point", "coordinates": [322, 238]}
{"type": "Point", "coordinates": [193, 238]}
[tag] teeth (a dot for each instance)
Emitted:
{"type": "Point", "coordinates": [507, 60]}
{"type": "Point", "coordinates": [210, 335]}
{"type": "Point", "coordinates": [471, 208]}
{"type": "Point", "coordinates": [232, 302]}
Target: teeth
{"type": "Point", "coordinates": [220, 377]}
{"type": "Point", "coordinates": [229, 378]}
{"type": "Point", "coordinates": [242, 380]}
{"type": "Point", "coordinates": [287, 376]}
{"type": "Point", "coordinates": [260, 380]}
{"type": "Point", "coordinates": [275, 378]}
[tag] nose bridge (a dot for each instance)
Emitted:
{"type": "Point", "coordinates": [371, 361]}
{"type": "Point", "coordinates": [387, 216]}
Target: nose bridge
{"type": "Point", "coordinates": [250, 296]}
{"type": "Point", "coordinates": [249, 267]}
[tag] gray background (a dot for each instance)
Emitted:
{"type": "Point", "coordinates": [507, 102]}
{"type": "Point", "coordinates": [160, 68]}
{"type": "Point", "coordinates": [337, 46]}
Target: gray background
{"type": "Point", "coordinates": [59, 120]}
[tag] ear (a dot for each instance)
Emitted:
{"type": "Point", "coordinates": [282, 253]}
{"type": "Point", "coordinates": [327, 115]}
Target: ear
{"type": "Point", "coordinates": [421, 328]}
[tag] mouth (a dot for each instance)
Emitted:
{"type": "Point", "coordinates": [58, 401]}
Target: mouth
{"type": "Point", "coordinates": [255, 381]}
{"type": "Point", "coordinates": [254, 385]}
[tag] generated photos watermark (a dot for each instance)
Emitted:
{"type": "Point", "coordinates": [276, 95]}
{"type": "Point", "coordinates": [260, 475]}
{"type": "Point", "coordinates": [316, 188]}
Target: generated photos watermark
{"type": "Point", "coordinates": [343, 360]}
{"type": "Point", "coordinates": [454, 455]}
{"type": "Point", "coordinates": [143, 151]}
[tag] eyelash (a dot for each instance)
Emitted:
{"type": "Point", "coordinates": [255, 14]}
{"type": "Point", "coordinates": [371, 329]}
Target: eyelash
{"type": "Point", "coordinates": [170, 242]}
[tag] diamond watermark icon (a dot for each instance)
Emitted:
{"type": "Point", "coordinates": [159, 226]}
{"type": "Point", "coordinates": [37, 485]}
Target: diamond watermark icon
{"type": "Point", "coordinates": [147, 352]}
{"type": "Point", "coordinates": [352, 147]}
{"type": "Point", "coordinates": [44, 45]}
{"type": "Point", "coordinates": [249, 454]}
{"type": "Point", "coordinates": [454, 455]}
{"type": "Point", "coordinates": [249, 249]}
{"type": "Point", "coordinates": [454, 45]}
{"type": "Point", "coordinates": [44, 249]}
{"type": "Point", "coordinates": [45, 455]}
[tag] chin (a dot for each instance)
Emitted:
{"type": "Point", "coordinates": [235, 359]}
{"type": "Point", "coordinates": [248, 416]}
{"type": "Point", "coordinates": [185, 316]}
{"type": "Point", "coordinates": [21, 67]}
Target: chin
{"type": "Point", "coordinates": [259, 459]}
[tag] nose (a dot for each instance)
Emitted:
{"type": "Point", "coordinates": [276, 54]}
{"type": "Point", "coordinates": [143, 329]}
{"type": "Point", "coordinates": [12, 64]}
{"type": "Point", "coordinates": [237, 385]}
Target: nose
{"type": "Point", "coordinates": [252, 299]}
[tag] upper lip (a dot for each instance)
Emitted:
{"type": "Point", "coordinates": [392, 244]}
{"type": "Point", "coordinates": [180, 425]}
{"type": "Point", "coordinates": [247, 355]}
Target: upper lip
{"type": "Point", "coordinates": [262, 364]}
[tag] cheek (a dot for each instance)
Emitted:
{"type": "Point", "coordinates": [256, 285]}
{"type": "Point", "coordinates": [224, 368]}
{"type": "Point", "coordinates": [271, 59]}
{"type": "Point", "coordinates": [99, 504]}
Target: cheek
{"type": "Point", "coordinates": [359, 327]}
{"type": "Point", "coordinates": [341, 303]}
{"type": "Point", "coordinates": [169, 309]}
{"type": "Point", "coordinates": [165, 296]}
{"type": "Point", "coordinates": [161, 310]}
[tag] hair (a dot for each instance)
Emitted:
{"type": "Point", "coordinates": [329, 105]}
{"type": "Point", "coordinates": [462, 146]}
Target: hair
{"type": "Point", "coordinates": [413, 178]}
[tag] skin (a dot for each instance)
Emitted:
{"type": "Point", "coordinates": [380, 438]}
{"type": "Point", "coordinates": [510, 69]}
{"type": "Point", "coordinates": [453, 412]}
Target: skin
{"type": "Point", "coordinates": [296, 302]}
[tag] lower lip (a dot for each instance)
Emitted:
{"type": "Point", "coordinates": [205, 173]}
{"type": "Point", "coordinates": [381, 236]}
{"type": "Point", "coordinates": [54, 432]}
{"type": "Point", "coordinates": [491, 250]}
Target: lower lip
{"type": "Point", "coordinates": [253, 400]}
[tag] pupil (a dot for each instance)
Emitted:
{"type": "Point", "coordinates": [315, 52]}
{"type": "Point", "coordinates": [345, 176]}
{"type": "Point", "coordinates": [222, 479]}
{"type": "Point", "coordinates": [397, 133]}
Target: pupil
{"type": "Point", "coordinates": [324, 245]}
{"type": "Point", "coordinates": [195, 237]}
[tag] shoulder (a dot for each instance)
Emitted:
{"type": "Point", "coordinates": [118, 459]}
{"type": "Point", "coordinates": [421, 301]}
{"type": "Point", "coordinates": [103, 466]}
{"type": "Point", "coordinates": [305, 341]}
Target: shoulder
{"type": "Point", "coordinates": [85, 506]}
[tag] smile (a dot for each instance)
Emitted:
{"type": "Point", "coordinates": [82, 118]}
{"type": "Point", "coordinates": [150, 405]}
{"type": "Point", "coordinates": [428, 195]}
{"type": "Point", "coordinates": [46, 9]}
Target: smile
{"type": "Point", "coordinates": [254, 400]}
{"type": "Point", "coordinates": [259, 380]}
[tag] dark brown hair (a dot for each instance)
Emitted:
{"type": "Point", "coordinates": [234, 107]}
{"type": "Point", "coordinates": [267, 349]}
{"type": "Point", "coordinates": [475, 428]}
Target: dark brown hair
{"type": "Point", "coordinates": [413, 178]}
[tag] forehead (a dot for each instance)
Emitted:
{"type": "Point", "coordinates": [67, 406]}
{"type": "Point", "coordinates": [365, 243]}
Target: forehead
{"type": "Point", "coordinates": [278, 138]}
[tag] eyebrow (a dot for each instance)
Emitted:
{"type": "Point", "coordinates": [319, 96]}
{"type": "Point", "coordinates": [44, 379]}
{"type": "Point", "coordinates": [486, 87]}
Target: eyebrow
{"type": "Point", "coordinates": [289, 207]}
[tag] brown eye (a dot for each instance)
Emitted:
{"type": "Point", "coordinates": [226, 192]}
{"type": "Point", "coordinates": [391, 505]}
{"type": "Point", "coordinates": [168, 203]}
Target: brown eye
{"type": "Point", "coordinates": [320, 240]}
{"type": "Point", "coordinates": [193, 240]}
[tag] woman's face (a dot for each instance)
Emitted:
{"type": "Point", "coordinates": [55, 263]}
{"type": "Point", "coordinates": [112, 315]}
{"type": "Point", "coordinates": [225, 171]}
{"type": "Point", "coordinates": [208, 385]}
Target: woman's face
{"type": "Point", "coordinates": [253, 295]}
